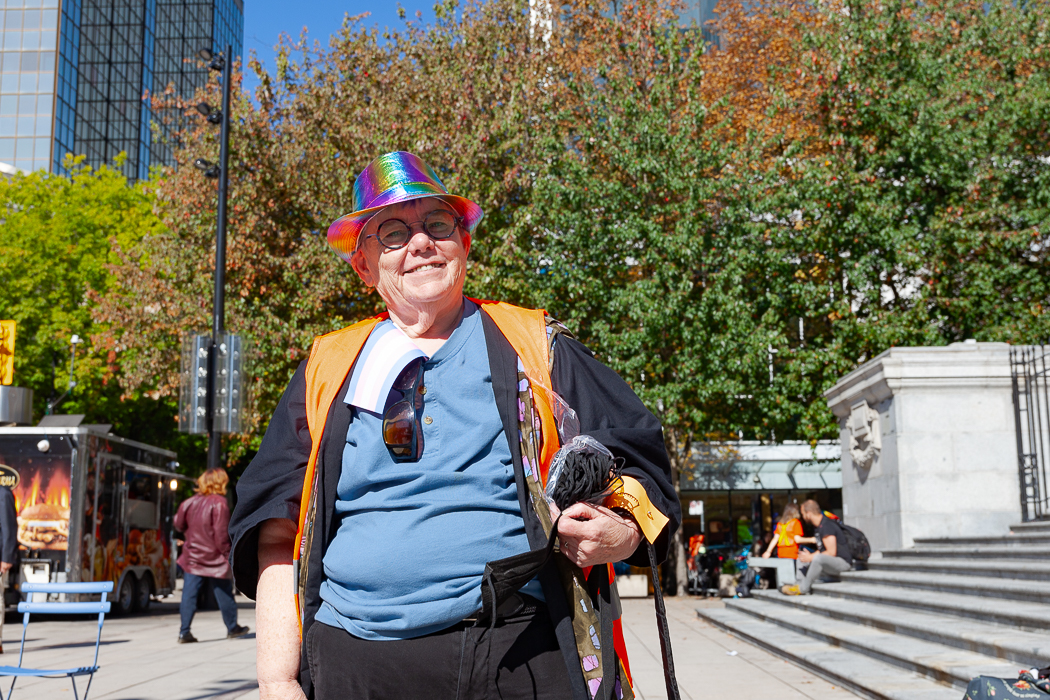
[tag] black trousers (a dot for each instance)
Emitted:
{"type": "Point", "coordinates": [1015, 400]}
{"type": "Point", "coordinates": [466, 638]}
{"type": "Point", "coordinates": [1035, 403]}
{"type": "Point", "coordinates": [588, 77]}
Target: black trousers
{"type": "Point", "coordinates": [517, 660]}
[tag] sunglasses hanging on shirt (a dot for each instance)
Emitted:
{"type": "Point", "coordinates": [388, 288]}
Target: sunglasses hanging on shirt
{"type": "Point", "coordinates": [402, 432]}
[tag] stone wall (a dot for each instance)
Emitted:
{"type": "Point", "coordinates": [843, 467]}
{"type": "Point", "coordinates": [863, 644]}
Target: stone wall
{"type": "Point", "coordinates": [934, 451]}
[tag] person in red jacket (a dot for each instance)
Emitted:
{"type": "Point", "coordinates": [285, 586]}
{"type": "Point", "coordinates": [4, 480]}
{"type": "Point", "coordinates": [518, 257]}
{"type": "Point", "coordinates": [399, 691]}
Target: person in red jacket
{"type": "Point", "coordinates": [204, 521]}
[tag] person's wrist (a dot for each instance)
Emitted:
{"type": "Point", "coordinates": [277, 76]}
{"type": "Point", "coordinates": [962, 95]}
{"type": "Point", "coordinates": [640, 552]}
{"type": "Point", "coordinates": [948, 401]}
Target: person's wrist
{"type": "Point", "coordinates": [628, 519]}
{"type": "Point", "coordinates": [283, 689]}
{"type": "Point", "coordinates": [634, 537]}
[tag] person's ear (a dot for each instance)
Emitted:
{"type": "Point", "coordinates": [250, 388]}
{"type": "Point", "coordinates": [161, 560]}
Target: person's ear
{"type": "Point", "coordinates": [466, 242]}
{"type": "Point", "coordinates": [363, 267]}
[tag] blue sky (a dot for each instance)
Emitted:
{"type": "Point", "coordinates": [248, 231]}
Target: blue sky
{"type": "Point", "coordinates": [265, 20]}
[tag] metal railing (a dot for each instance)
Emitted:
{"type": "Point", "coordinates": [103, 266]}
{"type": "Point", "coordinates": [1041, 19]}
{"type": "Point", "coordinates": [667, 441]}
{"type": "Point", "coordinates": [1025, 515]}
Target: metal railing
{"type": "Point", "coordinates": [1029, 373]}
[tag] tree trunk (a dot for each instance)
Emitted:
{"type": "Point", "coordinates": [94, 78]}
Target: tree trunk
{"type": "Point", "coordinates": [678, 453]}
{"type": "Point", "coordinates": [681, 573]}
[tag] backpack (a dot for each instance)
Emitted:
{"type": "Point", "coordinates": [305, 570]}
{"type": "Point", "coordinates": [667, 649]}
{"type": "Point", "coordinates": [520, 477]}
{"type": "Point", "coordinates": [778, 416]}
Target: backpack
{"type": "Point", "coordinates": [857, 542]}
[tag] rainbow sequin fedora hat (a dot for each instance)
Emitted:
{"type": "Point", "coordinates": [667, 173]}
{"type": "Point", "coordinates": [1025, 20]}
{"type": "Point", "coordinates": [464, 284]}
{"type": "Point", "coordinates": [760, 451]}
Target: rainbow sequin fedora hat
{"type": "Point", "coordinates": [389, 179]}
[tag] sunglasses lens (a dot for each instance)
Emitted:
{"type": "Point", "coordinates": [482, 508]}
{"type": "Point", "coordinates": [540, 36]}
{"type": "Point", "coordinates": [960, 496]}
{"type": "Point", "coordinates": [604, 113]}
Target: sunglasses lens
{"type": "Point", "coordinates": [440, 224]}
{"type": "Point", "coordinates": [399, 424]}
{"type": "Point", "coordinates": [401, 430]}
{"type": "Point", "coordinates": [407, 379]}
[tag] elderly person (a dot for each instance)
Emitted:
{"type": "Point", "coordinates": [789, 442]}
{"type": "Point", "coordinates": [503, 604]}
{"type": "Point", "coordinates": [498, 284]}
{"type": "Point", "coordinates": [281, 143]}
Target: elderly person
{"type": "Point", "coordinates": [411, 450]}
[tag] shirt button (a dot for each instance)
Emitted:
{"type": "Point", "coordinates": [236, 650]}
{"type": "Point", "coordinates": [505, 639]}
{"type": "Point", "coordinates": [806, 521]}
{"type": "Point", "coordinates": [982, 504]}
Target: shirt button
{"type": "Point", "coordinates": [428, 420]}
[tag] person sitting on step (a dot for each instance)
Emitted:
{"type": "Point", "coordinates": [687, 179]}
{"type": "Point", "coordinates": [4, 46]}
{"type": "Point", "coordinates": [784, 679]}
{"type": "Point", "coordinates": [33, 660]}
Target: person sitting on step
{"type": "Point", "coordinates": [833, 555]}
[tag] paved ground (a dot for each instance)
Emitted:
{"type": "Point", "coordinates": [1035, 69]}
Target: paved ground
{"type": "Point", "coordinates": [141, 661]}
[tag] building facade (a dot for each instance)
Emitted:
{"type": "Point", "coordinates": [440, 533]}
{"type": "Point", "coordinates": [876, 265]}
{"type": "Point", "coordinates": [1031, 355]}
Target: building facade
{"type": "Point", "coordinates": [703, 13]}
{"type": "Point", "coordinates": [733, 493]}
{"type": "Point", "coordinates": [76, 75]}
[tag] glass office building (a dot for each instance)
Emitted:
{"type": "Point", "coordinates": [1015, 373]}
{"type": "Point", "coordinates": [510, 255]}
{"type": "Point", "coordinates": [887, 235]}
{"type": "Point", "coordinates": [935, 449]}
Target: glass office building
{"type": "Point", "coordinates": [703, 13]}
{"type": "Point", "coordinates": [76, 75]}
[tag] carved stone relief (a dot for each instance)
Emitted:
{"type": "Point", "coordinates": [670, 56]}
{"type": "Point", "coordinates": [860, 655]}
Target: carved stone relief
{"type": "Point", "coordinates": [865, 435]}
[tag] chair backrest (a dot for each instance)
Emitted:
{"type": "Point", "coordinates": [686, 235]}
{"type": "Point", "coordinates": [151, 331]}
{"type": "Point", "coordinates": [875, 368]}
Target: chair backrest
{"type": "Point", "coordinates": [100, 608]}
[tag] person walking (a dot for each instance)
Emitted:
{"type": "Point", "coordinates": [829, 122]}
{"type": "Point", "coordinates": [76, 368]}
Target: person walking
{"type": "Point", "coordinates": [8, 546]}
{"type": "Point", "coordinates": [204, 521]}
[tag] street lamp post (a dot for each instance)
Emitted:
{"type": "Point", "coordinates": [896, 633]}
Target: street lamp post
{"type": "Point", "coordinates": [223, 63]}
{"type": "Point", "coordinates": [212, 382]}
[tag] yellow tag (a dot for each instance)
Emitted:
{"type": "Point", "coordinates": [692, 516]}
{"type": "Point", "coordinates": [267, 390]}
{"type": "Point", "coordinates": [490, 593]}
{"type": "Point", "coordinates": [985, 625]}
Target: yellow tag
{"type": "Point", "coordinates": [631, 497]}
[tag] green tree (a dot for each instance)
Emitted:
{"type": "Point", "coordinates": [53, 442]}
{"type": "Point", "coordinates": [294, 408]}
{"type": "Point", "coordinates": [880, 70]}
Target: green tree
{"type": "Point", "coordinates": [57, 245]}
{"type": "Point", "coordinates": [624, 236]}
{"type": "Point", "coordinates": [923, 220]}
{"type": "Point", "coordinates": [472, 94]}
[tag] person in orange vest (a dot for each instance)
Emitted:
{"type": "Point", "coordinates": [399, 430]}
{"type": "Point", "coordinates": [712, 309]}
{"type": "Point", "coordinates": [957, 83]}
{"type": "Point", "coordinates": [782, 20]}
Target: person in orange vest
{"type": "Point", "coordinates": [788, 534]}
{"type": "Point", "coordinates": [406, 463]}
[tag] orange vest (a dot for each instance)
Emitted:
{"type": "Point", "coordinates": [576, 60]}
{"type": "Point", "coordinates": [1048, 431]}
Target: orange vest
{"type": "Point", "coordinates": [334, 354]}
{"type": "Point", "coordinates": [787, 548]}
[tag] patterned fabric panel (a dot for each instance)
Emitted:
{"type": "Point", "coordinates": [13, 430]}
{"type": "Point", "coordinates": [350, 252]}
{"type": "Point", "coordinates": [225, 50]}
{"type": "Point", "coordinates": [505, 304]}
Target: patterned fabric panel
{"type": "Point", "coordinates": [585, 621]}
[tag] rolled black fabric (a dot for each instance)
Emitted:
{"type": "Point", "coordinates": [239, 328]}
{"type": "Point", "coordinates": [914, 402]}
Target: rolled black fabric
{"type": "Point", "coordinates": [585, 477]}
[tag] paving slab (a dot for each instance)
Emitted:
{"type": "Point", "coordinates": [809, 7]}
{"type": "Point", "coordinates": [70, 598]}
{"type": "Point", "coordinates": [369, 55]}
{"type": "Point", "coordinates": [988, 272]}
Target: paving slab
{"type": "Point", "coordinates": [139, 656]}
{"type": "Point", "coordinates": [140, 659]}
{"type": "Point", "coordinates": [710, 663]}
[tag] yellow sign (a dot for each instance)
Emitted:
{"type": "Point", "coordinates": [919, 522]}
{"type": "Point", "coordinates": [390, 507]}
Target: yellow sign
{"type": "Point", "coordinates": [8, 476]}
{"type": "Point", "coordinates": [7, 352]}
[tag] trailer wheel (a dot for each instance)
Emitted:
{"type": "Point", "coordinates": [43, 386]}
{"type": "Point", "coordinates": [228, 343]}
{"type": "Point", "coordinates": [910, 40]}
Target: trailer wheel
{"type": "Point", "coordinates": [143, 589]}
{"type": "Point", "coordinates": [124, 602]}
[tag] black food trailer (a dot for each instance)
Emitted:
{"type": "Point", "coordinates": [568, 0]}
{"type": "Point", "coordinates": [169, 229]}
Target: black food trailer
{"type": "Point", "coordinates": [92, 507]}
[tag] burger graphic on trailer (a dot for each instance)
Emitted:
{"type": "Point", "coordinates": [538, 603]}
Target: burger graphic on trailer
{"type": "Point", "coordinates": [91, 506]}
{"type": "Point", "coordinates": [43, 526]}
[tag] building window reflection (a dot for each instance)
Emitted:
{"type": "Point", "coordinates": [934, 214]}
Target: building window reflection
{"type": "Point", "coordinates": [73, 77]}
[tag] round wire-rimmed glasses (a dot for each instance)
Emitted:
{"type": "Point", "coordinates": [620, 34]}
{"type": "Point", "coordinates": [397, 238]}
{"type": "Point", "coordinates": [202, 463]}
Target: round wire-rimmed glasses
{"type": "Point", "coordinates": [438, 224]}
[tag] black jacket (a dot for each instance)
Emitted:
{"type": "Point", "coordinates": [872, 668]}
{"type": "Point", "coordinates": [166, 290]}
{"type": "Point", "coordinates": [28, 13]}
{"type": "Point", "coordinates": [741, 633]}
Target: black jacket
{"type": "Point", "coordinates": [8, 526]}
{"type": "Point", "coordinates": [608, 410]}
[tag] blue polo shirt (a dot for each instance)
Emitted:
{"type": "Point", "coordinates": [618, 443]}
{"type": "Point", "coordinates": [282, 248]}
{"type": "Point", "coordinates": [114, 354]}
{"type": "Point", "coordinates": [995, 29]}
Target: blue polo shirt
{"type": "Point", "coordinates": [413, 538]}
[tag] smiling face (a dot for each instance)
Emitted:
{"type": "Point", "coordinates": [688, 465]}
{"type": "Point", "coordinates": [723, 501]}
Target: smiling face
{"type": "Point", "coordinates": [420, 276]}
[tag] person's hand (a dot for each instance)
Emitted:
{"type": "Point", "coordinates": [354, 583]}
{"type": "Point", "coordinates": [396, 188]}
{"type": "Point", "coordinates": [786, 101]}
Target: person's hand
{"type": "Point", "coordinates": [289, 690]}
{"type": "Point", "coordinates": [805, 556]}
{"type": "Point", "coordinates": [5, 566]}
{"type": "Point", "coordinates": [592, 535]}
{"type": "Point", "coordinates": [765, 554]}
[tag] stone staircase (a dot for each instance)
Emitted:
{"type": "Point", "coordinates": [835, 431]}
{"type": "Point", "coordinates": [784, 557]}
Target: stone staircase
{"type": "Point", "coordinates": [919, 623]}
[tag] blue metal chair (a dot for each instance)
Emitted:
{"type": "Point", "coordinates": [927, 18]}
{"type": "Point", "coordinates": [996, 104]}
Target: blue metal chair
{"type": "Point", "coordinates": [100, 608]}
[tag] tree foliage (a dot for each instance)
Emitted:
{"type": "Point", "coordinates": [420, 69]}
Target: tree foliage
{"type": "Point", "coordinates": [58, 237]}
{"type": "Point", "coordinates": [827, 182]}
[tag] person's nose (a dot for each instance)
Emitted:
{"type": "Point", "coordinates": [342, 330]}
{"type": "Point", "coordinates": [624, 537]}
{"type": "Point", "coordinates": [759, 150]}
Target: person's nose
{"type": "Point", "coordinates": [419, 240]}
